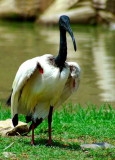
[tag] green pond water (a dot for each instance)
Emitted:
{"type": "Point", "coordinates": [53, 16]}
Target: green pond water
{"type": "Point", "coordinates": [95, 55]}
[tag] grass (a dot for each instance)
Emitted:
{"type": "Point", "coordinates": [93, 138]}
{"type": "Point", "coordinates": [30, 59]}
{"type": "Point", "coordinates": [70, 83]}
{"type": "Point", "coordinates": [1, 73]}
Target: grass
{"type": "Point", "coordinates": [72, 126]}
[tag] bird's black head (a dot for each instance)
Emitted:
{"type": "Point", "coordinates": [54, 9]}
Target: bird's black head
{"type": "Point", "coordinates": [64, 23]}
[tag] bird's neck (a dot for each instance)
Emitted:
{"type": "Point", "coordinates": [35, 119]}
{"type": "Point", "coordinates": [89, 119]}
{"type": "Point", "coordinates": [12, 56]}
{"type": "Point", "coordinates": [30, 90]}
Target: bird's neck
{"type": "Point", "coordinates": [61, 58]}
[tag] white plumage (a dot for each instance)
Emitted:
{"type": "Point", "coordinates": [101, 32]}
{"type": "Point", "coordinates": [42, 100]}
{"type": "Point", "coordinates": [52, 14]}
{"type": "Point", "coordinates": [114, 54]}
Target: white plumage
{"type": "Point", "coordinates": [34, 92]}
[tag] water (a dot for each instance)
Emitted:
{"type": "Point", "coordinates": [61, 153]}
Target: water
{"type": "Point", "coordinates": [95, 55]}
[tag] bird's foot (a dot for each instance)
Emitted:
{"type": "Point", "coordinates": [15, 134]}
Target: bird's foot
{"type": "Point", "coordinates": [49, 143]}
{"type": "Point", "coordinates": [32, 143]}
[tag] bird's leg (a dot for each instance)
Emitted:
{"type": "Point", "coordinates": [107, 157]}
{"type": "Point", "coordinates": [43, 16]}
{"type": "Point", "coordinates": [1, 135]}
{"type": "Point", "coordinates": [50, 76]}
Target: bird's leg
{"type": "Point", "coordinates": [33, 126]}
{"type": "Point", "coordinates": [32, 141]}
{"type": "Point", "coordinates": [38, 122]}
{"type": "Point", "coordinates": [49, 125]}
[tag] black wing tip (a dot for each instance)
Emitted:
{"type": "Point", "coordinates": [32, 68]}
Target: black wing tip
{"type": "Point", "coordinates": [15, 120]}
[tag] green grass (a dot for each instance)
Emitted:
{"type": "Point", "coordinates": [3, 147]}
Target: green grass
{"type": "Point", "coordinates": [72, 126]}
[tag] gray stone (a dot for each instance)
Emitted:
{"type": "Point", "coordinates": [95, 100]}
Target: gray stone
{"type": "Point", "coordinates": [96, 146]}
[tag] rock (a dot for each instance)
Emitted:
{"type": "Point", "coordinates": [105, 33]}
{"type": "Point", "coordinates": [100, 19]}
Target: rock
{"type": "Point", "coordinates": [60, 5]}
{"type": "Point", "coordinates": [28, 8]}
{"type": "Point", "coordinates": [32, 7]}
{"type": "Point", "coordinates": [48, 11]}
{"type": "Point", "coordinates": [84, 3]}
{"type": "Point", "coordinates": [7, 7]}
{"type": "Point", "coordinates": [105, 16]}
{"type": "Point", "coordinates": [96, 146]}
{"type": "Point", "coordinates": [83, 15]}
{"type": "Point", "coordinates": [78, 11]}
{"type": "Point", "coordinates": [22, 8]}
{"type": "Point", "coordinates": [7, 129]}
{"type": "Point", "coordinates": [100, 4]}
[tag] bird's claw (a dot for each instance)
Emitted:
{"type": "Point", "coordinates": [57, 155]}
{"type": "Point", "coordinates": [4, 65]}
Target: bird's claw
{"type": "Point", "coordinates": [49, 143]}
{"type": "Point", "coordinates": [32, 143]}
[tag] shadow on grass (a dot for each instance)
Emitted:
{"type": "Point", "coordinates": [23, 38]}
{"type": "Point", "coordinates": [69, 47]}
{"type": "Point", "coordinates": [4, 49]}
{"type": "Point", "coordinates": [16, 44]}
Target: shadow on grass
{"type": "Point", "coordinates": [57, 144]}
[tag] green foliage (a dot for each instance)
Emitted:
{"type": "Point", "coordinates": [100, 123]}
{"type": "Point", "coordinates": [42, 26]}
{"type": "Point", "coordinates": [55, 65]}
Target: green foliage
{"type": "Point", "coordinates": [72, 126]}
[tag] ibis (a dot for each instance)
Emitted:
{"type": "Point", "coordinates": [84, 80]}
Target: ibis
{"type": "Point", "coordinates": [43, 83]}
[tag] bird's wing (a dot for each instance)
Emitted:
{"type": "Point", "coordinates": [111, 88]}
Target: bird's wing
{"type": "Point", "coordinates": [23, 74]}
{"type": "Point", "coordinates": [71, 84]}
{"type": "Point", "coordinates": [25, 71]}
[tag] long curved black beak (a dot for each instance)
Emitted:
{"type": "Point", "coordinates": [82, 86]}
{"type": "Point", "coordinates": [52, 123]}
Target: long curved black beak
{"type": "Point", "coordinates": [69, 30]}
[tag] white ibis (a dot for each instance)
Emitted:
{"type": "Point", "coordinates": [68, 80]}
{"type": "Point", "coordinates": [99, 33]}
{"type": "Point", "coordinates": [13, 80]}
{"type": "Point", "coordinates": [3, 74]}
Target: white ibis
{"type": "Point", "coordinates": [43, 83]}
